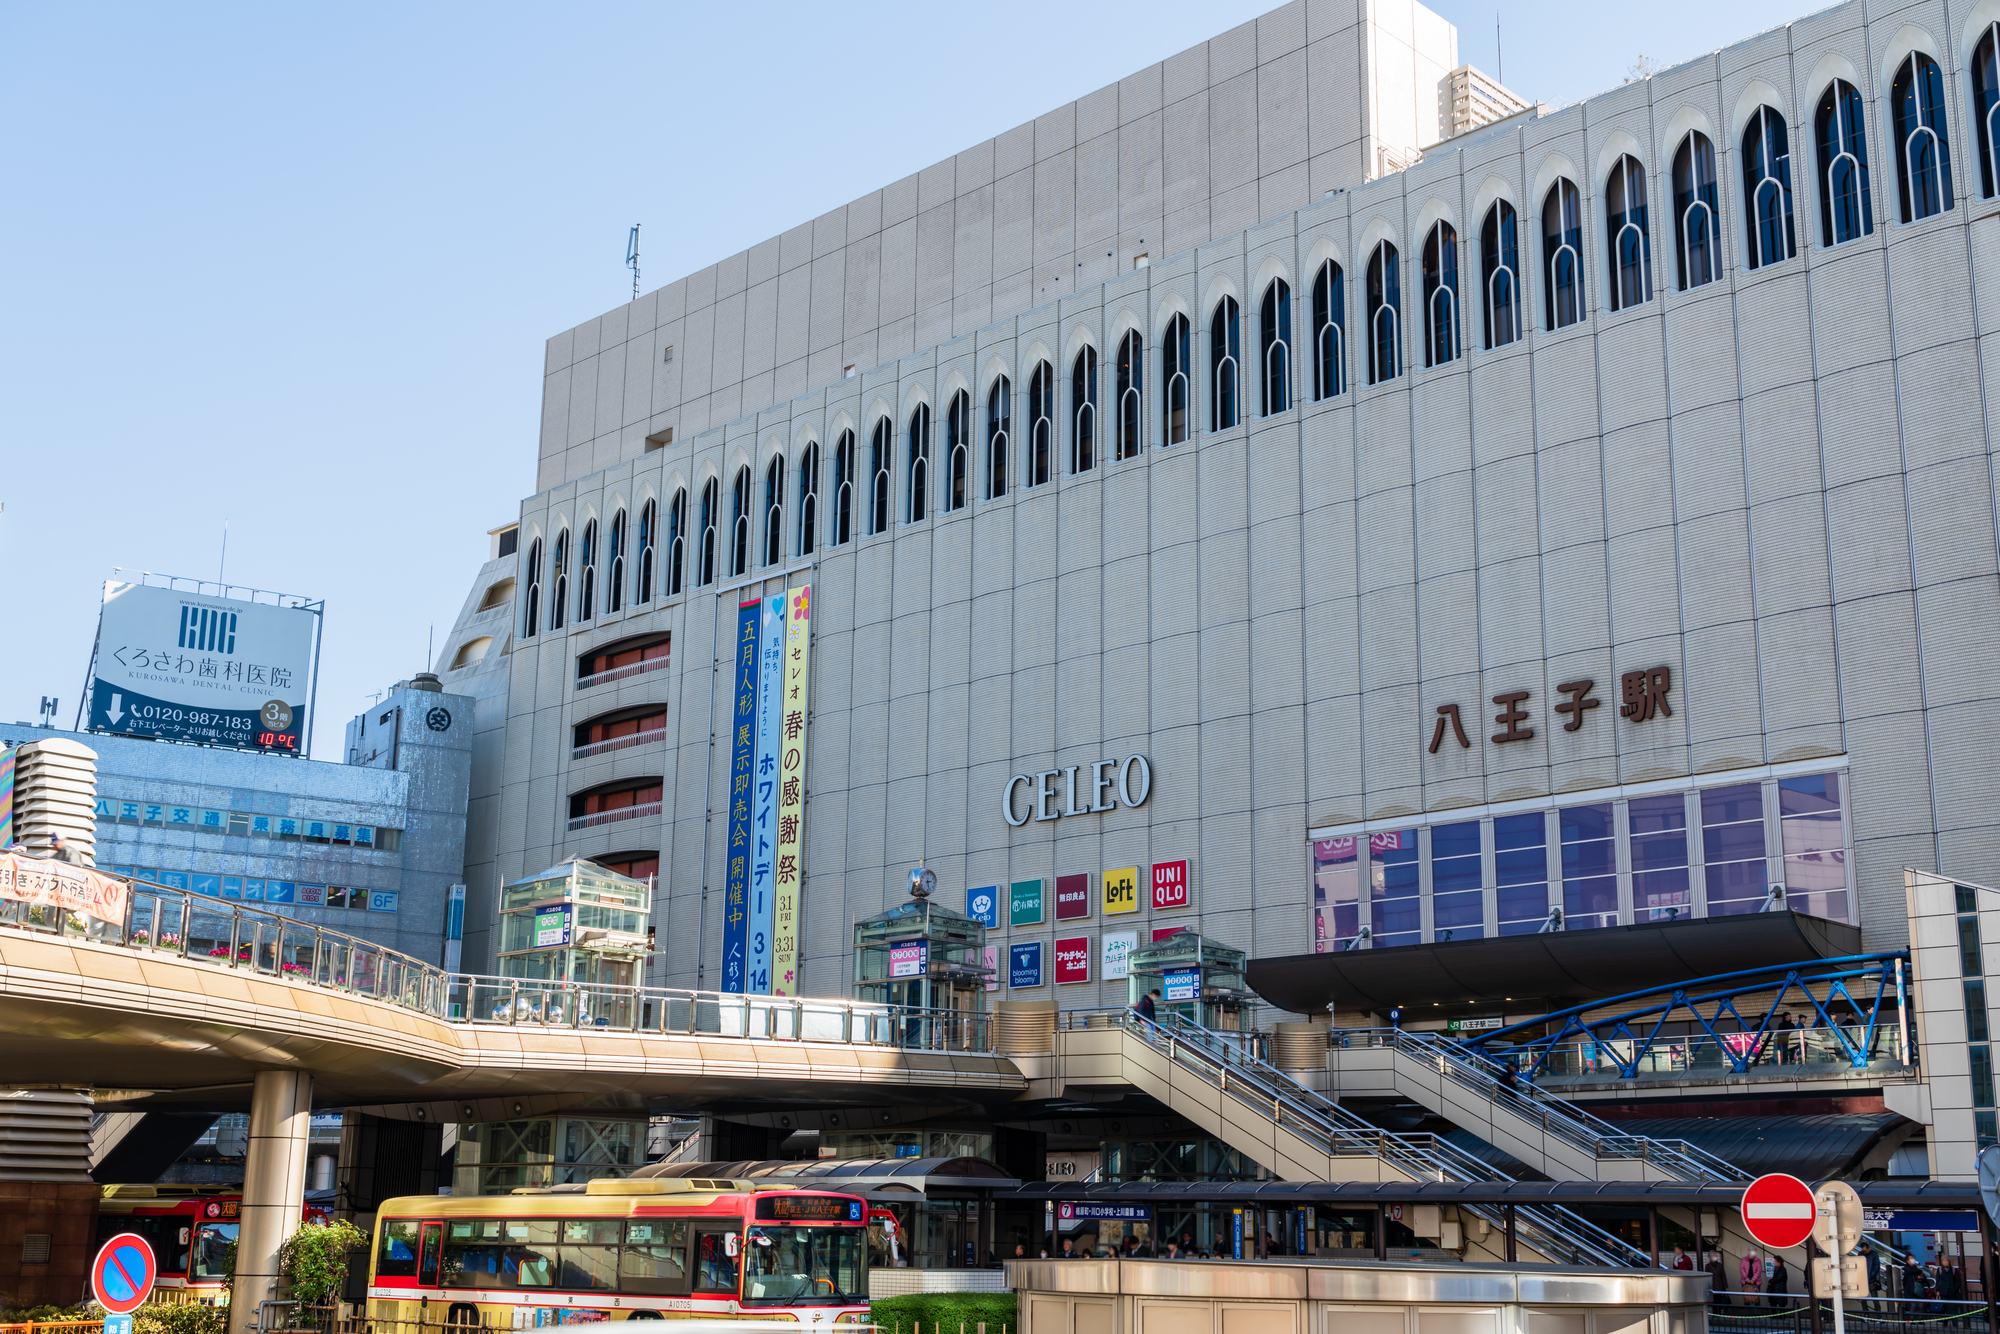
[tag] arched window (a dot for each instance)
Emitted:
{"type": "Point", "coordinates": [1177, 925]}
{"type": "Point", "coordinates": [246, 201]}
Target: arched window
{"type": "Point", "coordinates": [1767, 185]}
{"type": "Point", "coordinates": [739, 523]}
{"type": "Point", "coordinates": [1385, 314]}
{"type": "Point", "coordinates": [1500, 275]}
{"type": "Point", "coordinates": [614, 572]}
{"type": "Point", "coordinates": [1274, 344]}
{"type": "Point", "coordinates": [1225, 365]}
{"type": "Point", "coordinates": [843, 489]}
{"type": "Point", "coordinates": [649, 536]}
{"type": "Point", "coordinates": [1697, 220]}
{"type": "Point", "coordinates": [586, 571]}
{"type": "Point", "coordinates": [1625, 232]}
{"type": "Point", "coordinates": [1041, 422]}
{"type": "Point", "coordinates": [1177, 365]}
{"type": "Point", "coordinates": [1986, 107]}
{"type": "Point", "coordinates": [1923, 149]}
{"type": "Point", "coordinates": [957, 450]}
{"type": "Point", "coordinates": [559, 582]}
{"type": "Point", "coordinates": [920, 462]}
{"type": "Point", "coordinates": [999, 436]}
{"type": "Point", "coordinates": [1562, 255]}
{"type": "Point", "coordinates": [1441, 294]}
{"type": "Point", "coordinates": [677, 530]}
{"type": "Point", "coordinates": [1846, 211]}
{"type": "Point", "coordinates": [1131, 407]}
{"type": "Point", "coordinates": [531, 620]}
{"type": "Point", "coordinates": [881, 445]}
{"type": "Point", "coordinates": [809, 498]}
{"type": "Point", "coordinates": [774, 510]}
{"type": "Point", "coordinates": [1329, 331]}
{"type": "Point", "coordinates": [1083, 411]}
{"type": "Point", "coordinates": [711, 506]}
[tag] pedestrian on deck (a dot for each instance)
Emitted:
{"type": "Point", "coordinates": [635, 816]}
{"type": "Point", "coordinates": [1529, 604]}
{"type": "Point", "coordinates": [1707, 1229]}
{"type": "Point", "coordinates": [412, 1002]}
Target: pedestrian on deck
{"type": "Point", "coordinates": [1750, 1276]}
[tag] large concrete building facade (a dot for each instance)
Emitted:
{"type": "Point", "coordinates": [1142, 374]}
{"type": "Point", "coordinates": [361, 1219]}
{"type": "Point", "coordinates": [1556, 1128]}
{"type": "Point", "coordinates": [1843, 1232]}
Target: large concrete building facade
{"type": "Point", "coordinates": [1590, 523]}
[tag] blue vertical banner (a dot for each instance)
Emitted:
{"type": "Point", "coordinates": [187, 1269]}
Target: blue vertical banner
{"type": "Point", "coordinates": [743, 754]}
{"type": "Point", "coordinates": [764, 805]}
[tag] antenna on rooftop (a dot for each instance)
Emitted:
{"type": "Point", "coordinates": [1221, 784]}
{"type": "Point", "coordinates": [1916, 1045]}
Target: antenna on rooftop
{"type": "Point", "coordinates": [632, 259]}
{"type": "Point", "coordinates": [1499, 65]}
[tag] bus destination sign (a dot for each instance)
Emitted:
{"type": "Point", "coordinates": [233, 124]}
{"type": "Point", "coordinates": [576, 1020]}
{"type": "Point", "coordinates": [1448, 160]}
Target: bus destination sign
{"type": "Point", "coordinates": [811, 1209]}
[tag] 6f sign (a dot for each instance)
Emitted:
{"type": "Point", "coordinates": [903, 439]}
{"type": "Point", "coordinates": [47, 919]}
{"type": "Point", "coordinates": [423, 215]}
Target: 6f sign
{"type": "Point", "coordinates": [1131, 779]}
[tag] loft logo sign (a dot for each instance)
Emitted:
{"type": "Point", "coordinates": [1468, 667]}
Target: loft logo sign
{"type": "Point", "coordinates": [1130, 778]}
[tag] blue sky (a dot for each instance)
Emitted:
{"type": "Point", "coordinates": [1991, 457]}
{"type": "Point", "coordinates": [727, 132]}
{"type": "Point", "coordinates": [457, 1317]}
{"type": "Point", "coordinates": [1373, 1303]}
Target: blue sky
{"type": "Point", "coordinates": [290, 268]}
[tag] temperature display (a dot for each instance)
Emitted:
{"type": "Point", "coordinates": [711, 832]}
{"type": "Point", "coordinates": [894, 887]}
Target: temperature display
{"type": "Point", "coordinates": [278, 740]}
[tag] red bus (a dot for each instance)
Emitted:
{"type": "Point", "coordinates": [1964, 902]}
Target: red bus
{"type": "Point", "coordinates": [618, 1249]}
{"type": "Point", "coordinates": [189, 1228]}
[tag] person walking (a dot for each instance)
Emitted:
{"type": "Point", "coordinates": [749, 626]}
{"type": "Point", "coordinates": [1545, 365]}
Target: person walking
{"type": "Point", "coordinates": [1146, 1007]}
{"type": "Point", "coordinates": [1750, 1277]}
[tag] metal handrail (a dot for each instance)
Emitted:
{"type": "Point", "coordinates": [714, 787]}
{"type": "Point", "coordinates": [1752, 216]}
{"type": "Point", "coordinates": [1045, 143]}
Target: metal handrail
{"type": "Point", "coordinates": [1565, 1120]}
{"type": "Point", "coordinates": [237, 937]}
{"type": "Point", "coordinates": [1555, 1231]}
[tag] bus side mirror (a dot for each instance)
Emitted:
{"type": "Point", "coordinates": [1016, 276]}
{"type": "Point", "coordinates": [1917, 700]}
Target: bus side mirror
{"type": "Point", "coordinates": [731, 1247]}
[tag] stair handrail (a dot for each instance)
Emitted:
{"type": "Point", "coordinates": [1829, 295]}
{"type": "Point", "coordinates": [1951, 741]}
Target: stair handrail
{"type": "Point", "coordinates": [1549, 1227]}
{"type": "Point", "coordinates": [1687, 1161]}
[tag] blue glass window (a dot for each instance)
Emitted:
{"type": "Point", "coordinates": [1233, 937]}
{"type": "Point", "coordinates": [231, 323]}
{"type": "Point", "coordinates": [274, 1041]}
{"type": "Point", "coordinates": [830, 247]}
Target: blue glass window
{"type": "Point", "coordinates": [1660, 889]}
{"type": "Point", "coordinates": [1458, 899]}
{"type": "Point", "coordinates": [1589, 866]}
{"type": "Point", "coordinates": [1521, 872]}
{"type": "Point", "coordinates": [1394, 906]}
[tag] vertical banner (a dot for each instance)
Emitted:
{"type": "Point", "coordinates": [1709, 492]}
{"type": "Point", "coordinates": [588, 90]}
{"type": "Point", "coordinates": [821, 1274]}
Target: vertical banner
{"type": "Point", "coordinates": [764, 805]}
{"type": "Point", "coordinates": [6, 797]}
{"type": "Point", "coordinates": [742, 761]}
{"type": "Point", "coordinates": [790, 877]}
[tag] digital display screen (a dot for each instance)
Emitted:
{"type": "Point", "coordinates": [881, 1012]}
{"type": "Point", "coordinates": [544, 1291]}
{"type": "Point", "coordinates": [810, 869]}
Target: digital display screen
{"type": "Point", "coordinates": [277, 741]}
{"type": "Point", "coordinates": [811, 1209]}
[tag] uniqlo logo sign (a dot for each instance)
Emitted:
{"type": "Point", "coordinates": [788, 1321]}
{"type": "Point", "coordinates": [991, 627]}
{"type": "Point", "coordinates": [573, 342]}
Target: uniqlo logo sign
{"type": "Point", "coordinates": [1073, 959]}
{"type": "Point", "coordinates": [1170, 885]}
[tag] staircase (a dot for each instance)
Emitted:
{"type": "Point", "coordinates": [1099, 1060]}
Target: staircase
{"type": "Point", "coordinates": [1557, 1138]}
{"type": "Point", "coordinates": [1299, 1134]}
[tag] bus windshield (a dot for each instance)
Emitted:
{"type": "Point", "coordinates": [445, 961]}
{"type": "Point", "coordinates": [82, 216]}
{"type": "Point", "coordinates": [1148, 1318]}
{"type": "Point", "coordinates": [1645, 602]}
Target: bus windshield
{"type": "Point", "coordinates": [211, 1252]}
{"type": "Point", "coordinates": [793, 1266]}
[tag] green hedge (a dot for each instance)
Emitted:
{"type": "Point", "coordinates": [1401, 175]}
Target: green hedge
{"type": "Point", "coordinates": [949, 1310]}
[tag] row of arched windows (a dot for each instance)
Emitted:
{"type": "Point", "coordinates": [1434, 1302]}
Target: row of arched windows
{"type": "Point", "coordinates": [858, 492]}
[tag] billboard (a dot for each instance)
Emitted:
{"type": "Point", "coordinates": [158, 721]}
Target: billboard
{"type": "Point", "coordinates": [191, 667]}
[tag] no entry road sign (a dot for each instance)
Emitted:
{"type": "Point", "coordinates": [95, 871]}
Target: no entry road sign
{"type": "Point", "coordinates": [121, 1277]}
{"type": "Point", "coordinates": [1778, 1211]}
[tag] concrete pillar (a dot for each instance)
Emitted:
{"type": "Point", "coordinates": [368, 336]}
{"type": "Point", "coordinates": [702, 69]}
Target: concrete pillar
{"type": "Point", "coordinates": [274, 1184]}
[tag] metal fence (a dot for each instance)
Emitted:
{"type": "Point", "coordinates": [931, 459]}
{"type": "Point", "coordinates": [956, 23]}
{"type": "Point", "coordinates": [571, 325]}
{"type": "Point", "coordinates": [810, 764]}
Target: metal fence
{"type": "Point", "coordinates": [248, 939]}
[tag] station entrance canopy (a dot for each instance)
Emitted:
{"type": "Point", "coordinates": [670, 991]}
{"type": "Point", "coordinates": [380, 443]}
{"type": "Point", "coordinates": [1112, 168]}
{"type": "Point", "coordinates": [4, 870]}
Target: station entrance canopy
{"type": "Point", "coordinates": [878, 1179]}
{"type": "Point", "coordinates": [1566, 966]}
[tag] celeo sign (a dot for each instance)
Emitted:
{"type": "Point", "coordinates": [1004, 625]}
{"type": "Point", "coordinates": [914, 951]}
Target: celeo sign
{"type": "Point", "coordinates": [1086, 789]}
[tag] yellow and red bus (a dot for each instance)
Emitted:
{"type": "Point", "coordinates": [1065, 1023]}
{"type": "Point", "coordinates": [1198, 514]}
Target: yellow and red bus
{"type": "Point", "coordinates": [616, 1249]}
{"type": "Point", "coordinates": [190, 1229]}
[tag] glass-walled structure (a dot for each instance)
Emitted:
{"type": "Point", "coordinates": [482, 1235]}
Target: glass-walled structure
{"type": "Point", "coordinates": [1199, 980]}
{"type": "Point", "coordinates": [576, 923]}
{"type": "Point", "coordinates": [500, 1156]}
{"type": "Point", "coordinates": [923, 956]}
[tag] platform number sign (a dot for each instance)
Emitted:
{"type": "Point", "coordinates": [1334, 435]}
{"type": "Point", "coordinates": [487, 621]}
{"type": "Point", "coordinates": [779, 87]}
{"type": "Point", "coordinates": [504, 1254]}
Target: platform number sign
{"type": "Point", "coordinates": [121, 1278]}
{"type": "Point", "coordinates": [1778, 1211]}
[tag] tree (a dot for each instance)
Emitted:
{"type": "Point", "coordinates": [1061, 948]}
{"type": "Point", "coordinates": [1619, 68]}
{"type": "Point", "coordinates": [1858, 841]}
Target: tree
{"type": "Point", "coordinates": [314, 1259]}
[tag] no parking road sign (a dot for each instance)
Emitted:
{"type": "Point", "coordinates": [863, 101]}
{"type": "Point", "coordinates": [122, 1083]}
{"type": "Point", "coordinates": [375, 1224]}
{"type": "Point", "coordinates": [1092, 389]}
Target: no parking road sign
{"type": "Point", "coordinates": [121, 1278]}
{"type": "Point", "coordinates": [1778, 1211]}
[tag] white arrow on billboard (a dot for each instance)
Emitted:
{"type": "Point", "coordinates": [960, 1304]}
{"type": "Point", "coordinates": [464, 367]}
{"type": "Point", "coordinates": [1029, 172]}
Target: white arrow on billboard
{"type": "Point", "coordinates": [117, 709]}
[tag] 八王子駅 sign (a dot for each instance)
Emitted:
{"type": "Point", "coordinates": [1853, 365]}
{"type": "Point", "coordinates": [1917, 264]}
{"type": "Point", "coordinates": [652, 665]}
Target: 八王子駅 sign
{"type": "Point", "coordinates": [1087, 789]}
